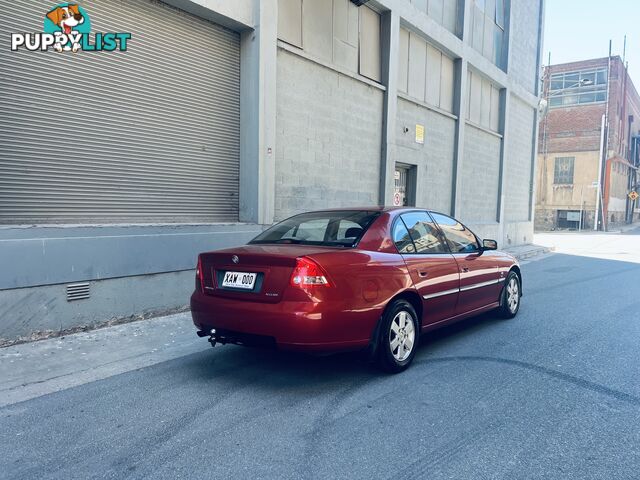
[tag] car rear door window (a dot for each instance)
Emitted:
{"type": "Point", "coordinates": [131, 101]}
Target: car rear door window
{"type": "Point", "coordinates": [415, 232]}
{"type": "Point", "coordinates": [402, 239]}
{"type": "Point", "coordinates": [423, 232]}
{"type": "Point", "coordinates": [459, 237]}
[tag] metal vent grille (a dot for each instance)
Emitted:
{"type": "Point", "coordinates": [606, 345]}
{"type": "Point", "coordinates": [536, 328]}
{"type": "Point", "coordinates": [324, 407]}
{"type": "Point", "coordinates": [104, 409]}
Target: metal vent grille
{"type": "Point", "coordinates": [77, 291]}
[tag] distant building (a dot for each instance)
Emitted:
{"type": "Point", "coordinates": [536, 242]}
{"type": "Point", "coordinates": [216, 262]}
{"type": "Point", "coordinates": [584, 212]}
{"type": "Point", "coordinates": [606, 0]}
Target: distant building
{"type": "Point", "coordinates": [572, 137]}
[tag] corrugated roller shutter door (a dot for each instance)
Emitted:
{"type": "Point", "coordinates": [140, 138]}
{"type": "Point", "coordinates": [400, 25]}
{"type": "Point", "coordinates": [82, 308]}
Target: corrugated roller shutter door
{"type": "Point", "coordinates": [150, 134]}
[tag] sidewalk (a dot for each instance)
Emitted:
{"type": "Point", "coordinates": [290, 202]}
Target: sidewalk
{"type": "Point", "coordinates": [624, 228]}
{"type": "Point", "coordinates": [33, 369]}
{"type": "Point", "coordinates": [525, 252]}
{"type": "Point", "coordinates": [590, 231]}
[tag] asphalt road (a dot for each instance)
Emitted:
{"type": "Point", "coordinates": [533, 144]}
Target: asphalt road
{"type": "Point", "coordinates": [554, 393]}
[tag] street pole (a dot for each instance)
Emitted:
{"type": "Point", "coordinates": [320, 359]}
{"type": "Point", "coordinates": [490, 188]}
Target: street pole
{"type": "Point", "coordinates": [598, 193]}
{"type": "Point", "coordinates": [581, 207]}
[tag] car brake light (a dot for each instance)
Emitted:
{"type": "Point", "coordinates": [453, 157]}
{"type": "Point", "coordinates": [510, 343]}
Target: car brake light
{"type": "Point", "coordinates": [308, 274]}
{"type": "Point", "coordinates": [199, 275]}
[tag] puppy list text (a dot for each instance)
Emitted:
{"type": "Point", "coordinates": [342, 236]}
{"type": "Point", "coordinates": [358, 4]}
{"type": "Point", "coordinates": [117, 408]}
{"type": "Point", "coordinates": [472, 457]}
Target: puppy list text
{"type": "Point", "coordinates": [96, 42]}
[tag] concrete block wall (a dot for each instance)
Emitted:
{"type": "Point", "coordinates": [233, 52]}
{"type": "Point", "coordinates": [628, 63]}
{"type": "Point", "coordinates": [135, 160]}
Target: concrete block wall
{"type": "Point", "coordinates": [524, 42]}
{"type": "Point", "coordinates": [517, 233]}
{"type": "Point", "coordinates": [434, 158]}
{"type": "Point", "coordinates": [483, 230]}
{"type": "Point", "coordinates": [480, 176]}
{"type": "Point", "coordinates": [518, 164]}
{"type": "Point", "coordinates": [329, 133]}
{"type": "Point", "coordinates": [43, 310]}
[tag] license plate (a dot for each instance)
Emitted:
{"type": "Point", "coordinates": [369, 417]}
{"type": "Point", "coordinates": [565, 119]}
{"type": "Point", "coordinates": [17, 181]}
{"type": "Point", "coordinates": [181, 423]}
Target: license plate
{"type": "Point", "coordinates": [239, 280]}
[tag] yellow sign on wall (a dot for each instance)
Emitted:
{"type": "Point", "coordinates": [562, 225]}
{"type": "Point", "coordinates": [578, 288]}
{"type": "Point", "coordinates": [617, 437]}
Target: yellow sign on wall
{"type": "Point", "coordinates": [419, 134]}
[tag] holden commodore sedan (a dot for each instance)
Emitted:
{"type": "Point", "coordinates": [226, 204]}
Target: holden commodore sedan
{"type": "Point", "coordinates": [336, 280]}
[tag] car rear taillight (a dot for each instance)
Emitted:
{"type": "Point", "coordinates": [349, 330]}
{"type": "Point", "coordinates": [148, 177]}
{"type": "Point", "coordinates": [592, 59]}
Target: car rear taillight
{"type": "Point", "coordinates": [199, 276]}
{"type": "Point", "coordinates": [308, 273]}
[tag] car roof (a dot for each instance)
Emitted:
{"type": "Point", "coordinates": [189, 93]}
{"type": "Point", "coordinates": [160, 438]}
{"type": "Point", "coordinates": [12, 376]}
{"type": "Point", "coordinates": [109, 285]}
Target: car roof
{"type": "Point", "coordinates": [375, 208]}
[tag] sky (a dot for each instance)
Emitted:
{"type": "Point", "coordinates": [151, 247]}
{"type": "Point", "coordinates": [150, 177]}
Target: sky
{"type": "Point", "coordinates": [579, 30]}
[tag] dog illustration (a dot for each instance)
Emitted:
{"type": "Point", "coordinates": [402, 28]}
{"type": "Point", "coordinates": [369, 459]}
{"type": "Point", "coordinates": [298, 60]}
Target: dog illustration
{"type": "Point", "coordinates": [66, 18]}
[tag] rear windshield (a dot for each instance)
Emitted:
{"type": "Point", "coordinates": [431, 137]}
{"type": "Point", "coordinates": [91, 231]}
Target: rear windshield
{"type": "Point", "coordinates": [332, 229]}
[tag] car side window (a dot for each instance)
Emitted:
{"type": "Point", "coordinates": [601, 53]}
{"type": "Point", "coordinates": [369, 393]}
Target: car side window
{"type": "Point", "coordinates": [401, 238]}
{"type": "Point", "coordinates": [423, 232]}
{"type": "Point", "coordinates": [459, 237]}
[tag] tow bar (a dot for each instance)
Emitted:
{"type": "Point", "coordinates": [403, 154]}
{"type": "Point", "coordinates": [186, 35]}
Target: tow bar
{"type": "Point", "coordinates": [214, 338]}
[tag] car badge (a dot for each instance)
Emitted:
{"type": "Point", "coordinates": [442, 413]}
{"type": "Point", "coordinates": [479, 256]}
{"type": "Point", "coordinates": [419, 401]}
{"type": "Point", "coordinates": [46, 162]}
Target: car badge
{"type": "Point", "coordinates": [235, 259]}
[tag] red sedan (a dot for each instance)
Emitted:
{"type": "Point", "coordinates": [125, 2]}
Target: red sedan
{"type": "Point", "coordinates": [352, 279]}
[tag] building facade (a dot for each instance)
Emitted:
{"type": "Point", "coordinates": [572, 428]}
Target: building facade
{"type": "Point", "coordinates": [220, 118]}
{"type": "Point", "coordinates": [589, 136]}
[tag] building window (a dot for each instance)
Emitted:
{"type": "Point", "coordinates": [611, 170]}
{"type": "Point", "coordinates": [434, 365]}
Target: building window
{"type": "Point", "coordinates": [563, 172]}
{"type": "Point", "coordinates": [578, 88]}
{"type": "Point", "coordinates": [334, 31]}
{"type": "Point", "coordinates": [424, 72]}
{"type": "Point", "coordinates": [445, 12]}
{"type": "Point", "coordinates": [290, 22]}
{"type": "Point", "coordinates": [500, 13]}
{"type": "Point", "coordinates": [369, 44]}
{"type": "Point", "coordinates": [488, 20]}
{"type": "Point", "coordinates": [483, 105]}
{"type": "Point", "coordinates": [569, 219]}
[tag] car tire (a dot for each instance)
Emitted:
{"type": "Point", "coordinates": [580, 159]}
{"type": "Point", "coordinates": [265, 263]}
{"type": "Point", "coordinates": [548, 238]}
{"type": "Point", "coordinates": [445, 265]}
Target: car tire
{"type": "Point", "coordinates": [399, 336]}
{"type": "Point", "coordinates": [510, 296]}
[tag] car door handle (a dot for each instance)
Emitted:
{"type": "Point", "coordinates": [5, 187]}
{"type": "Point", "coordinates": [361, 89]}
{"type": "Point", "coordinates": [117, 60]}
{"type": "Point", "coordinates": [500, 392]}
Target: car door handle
{"type": "Point", "coordinates": [422, 273]}
{"type": "Point", "coordinates": [465, 269]}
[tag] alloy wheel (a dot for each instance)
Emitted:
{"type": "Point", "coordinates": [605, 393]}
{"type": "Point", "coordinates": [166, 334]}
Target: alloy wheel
{"type": "Point", "coordinates": [513, 294]}
{"type": "Point", "coordinates": [402, 335]}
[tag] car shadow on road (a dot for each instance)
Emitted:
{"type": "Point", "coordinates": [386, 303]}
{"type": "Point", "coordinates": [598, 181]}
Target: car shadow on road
{"type": "Point", "coordinates": [277, 369]}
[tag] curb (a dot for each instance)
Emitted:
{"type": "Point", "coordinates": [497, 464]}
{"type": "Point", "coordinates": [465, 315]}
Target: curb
{"type": "Point", "coordinates": [530, 253]}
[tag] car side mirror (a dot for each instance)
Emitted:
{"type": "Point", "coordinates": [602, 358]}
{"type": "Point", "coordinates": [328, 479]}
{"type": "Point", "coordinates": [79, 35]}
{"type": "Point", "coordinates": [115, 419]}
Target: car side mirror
{"type": "Point", "coordinates": [489, 245]}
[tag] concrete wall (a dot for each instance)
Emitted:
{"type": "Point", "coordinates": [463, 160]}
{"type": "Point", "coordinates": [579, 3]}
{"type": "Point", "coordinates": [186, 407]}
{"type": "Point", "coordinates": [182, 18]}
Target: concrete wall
{"type": "Point", "coordinates": [132, 271]}
{"type": "Point", "coordinates": [329, 128]}
{"type": "Point", "coordinates": [27, 312]}
{"type": "Point", "coordinates": [33, 256]}
{"type": "Point", "coordinates": [524, 43]}
{"type": "Point", "coordinates": [519, 161]}
{"type": "Point", "coordinates": [434, 158]}
{"type": "Point", "coordinates": [480, 176]}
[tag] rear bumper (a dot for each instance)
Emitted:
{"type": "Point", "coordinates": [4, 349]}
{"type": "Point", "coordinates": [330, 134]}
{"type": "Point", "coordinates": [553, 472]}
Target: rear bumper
{"type": "Point", "coordinates": [293, 325]}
